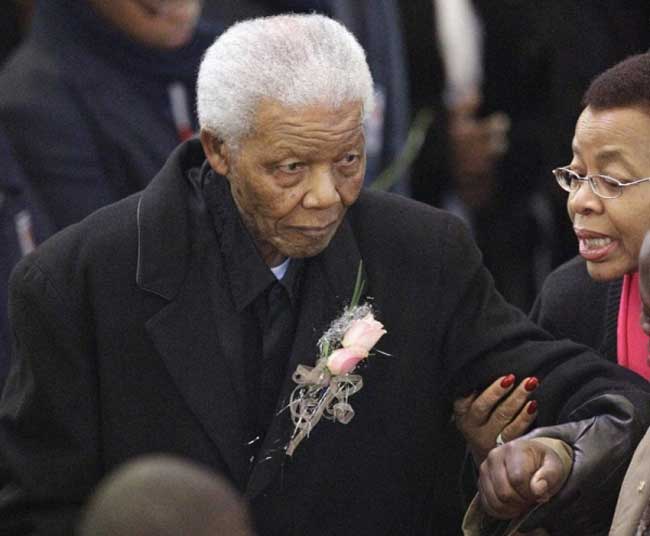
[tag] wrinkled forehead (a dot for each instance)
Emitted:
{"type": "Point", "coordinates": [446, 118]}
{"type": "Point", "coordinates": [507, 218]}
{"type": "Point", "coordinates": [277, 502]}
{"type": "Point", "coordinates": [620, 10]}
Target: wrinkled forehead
{"type": "Point", "coordinates": [270, 112]}
{"type": "Point", "coordinates": [612, 134]}
{"type": "Point", "coordinates": [317, 123]}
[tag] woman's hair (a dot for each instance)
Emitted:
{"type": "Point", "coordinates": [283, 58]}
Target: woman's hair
{"type": "Point", "coordinates": [626, 84]}
{"type": "Point", "coordinates": [296, 60]}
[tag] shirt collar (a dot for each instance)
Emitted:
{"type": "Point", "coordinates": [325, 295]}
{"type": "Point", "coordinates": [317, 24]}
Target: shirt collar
{"type": "Point", "coordinates": [280, 270]}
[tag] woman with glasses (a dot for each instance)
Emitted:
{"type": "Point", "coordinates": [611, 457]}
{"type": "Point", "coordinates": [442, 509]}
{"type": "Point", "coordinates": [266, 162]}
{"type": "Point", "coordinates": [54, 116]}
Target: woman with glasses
{"type": "Point", "coordinates": [594, 298]}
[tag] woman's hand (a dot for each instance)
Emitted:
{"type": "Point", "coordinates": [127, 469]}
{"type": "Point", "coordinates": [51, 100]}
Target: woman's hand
{"type": "Point", "coordinates": [501, 411]}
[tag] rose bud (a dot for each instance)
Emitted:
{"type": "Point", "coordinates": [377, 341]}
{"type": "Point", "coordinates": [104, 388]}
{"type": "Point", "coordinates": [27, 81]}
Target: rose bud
{"type": "Point", "coordinates": [364, 333]}
{"type": "Point", "coordinates": [344, 360]}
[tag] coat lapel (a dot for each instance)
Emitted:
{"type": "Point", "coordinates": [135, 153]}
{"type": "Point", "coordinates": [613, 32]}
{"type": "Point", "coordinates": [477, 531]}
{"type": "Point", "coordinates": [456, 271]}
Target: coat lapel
{"type": "Point", "coordinates": [196, 332]}
{"type": "Point", "coordinates": [327, 286]}
{"type": "Point", "coordinates": [191, 342]}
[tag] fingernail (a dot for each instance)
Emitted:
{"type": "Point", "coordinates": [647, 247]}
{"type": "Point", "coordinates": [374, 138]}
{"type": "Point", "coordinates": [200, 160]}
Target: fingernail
{"type": "Point", "coordinates": [532, 407]}
{"type": "Point", "coordinates": [508, 381]}
{"type": "Point", "coordinates": [531, 384]}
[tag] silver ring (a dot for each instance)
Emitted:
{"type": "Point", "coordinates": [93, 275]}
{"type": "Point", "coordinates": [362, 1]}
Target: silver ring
{"type": "Point", "coordinates": [500, 440]}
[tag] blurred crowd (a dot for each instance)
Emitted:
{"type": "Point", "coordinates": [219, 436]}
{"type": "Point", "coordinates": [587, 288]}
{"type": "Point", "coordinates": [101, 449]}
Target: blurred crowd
{"type": "Point", "coordinates": [95, 94]}
{"type": "Point", "coordinates": [503, 80]}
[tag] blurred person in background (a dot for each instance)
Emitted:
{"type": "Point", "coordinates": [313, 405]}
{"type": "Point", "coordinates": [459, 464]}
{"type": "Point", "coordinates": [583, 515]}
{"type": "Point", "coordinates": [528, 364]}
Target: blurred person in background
{"type": "Point", "coordinates": [163, 495]}
{"type": "Point", "coordinates": [531, 61]}
{"type": "Point", "coordinates": [98, 94]}
{"type": "Point", "coordinates": [15, 16]}
{"type": "Point", "coordinates": [23, 225]}
{"type": "Point", "coordinates": [474, 64]}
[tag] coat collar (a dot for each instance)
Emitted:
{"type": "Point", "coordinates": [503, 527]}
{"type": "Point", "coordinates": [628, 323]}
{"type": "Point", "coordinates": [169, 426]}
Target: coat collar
{"type": "Point", "coordinates": [164, 240]}
{"type": "Point", "coordinates": [193, 333]}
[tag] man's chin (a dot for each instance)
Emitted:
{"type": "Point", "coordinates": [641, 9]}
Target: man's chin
{"type": "Point", "coordinates": [299, 251]}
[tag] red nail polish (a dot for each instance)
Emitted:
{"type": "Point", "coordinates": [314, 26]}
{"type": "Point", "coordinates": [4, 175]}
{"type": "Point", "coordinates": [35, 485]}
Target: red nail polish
{"type": "Point", "coordinates": [508, 381]}
{"type": "Point", "coordinates": [532, 407]}
{"type": "Point", "coordinates": [531, 384]}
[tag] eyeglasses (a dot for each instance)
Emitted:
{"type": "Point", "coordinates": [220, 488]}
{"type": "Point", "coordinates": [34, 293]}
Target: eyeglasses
{"type": "Point", "coordinates": [602, 185]}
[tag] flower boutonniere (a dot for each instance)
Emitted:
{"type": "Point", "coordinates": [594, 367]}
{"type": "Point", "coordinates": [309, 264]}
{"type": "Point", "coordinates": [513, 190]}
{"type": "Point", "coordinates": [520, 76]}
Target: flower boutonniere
{"type": "Point", "coordinates": [324, 390]}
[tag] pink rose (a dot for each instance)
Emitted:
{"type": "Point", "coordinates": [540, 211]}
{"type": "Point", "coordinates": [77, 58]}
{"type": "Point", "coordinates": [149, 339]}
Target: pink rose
{"type": "Point", "coordinates": [357, 342]}
{"type": "Point", "coordinates": [363, 333]}
{"type": "Point", "coordinates": [344, 360]}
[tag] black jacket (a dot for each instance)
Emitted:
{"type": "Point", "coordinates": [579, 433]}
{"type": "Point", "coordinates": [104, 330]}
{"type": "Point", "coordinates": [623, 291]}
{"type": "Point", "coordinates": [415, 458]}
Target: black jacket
{"type": "Point", "coordinates": [124, 348]}
{"type": "Point", "coordinates": [573, 306]}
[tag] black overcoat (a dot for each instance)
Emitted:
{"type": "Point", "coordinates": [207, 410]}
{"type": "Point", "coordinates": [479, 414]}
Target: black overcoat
{"type": "Point", "coordinates": [124, 345]}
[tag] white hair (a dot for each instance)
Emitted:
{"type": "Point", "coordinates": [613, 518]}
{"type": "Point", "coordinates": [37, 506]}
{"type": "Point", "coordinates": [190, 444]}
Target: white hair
{"type": "Point", "coordinates": [296, 60]}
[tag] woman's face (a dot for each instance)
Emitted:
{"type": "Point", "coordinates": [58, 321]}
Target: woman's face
{"type": "Point", "coordinates": [614, 142]}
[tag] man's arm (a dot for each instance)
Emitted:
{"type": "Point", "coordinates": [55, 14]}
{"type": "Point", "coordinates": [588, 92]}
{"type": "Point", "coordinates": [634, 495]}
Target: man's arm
{"type": "Point", "coordinates": [51, 393]}
{"type": "Point", "coordinates": [487, 339]}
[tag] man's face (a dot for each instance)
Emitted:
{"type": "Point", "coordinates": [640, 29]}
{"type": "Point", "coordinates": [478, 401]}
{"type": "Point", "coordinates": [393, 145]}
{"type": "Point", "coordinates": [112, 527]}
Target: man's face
{"type": "Point", "coordinates": [165, 24]}
{"type": "Point", "coordinates": [295, 176]}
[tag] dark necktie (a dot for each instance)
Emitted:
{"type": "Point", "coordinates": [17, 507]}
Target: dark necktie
{"type": "Point", "coordinates": [277, 337]}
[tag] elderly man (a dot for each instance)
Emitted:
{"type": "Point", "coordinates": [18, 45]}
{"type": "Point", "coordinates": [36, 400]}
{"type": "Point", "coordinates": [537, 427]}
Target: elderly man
{"type": "Point", "coordinates": [173, 321]}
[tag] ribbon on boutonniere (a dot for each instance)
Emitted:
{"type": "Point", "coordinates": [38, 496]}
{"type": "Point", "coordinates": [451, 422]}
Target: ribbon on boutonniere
{"type": "Point", "coordinates": [324, 389]}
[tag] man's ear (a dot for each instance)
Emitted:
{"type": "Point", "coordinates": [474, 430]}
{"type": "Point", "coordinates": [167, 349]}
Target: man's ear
{"type": "Point", "coordinates": [216, 152]}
